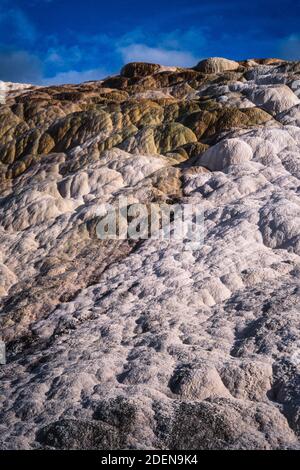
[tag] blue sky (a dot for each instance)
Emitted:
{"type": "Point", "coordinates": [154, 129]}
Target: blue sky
{"type": "Point", "coordinates": [64, 41]}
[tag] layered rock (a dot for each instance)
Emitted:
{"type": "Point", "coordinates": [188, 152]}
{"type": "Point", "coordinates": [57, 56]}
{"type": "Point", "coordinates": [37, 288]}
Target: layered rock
{"type": "Point", "coordinates": [216, 65]}
{"type": "Point", "coordinates": [148, 343]}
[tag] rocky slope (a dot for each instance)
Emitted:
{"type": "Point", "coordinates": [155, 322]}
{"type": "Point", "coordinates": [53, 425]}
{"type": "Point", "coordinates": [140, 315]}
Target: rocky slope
{"type": "Point", "coordinates": [146, 344]}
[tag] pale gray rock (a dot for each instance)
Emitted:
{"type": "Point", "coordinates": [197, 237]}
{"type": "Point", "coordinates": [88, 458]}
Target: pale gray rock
{"type": "Point", "coordinates": [273, 99]}
{"type": "Point", "coordinates": [216, 65]}
{"type": "Point", "coordinates": [225, 153]}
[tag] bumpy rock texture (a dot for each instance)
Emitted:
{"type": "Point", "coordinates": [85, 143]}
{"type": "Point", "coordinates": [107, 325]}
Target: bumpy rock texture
{"type": "Point", "coordinates": [146, 344]}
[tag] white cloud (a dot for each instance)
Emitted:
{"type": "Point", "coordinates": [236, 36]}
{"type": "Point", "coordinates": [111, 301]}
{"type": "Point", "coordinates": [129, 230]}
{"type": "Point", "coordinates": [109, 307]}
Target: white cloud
{"type": "Point", "coordinates": [62, 55]}
{"type": "Point", "coordinates": [160, 55]}
{"type": "Point", "coordinates": [75, 76]}
{"type": "Point", "coordinates": [20, 66]}
{"type": "Point", "coordinates": [290, 48]}
{"type": "Point", "coordinates": [16, 23]}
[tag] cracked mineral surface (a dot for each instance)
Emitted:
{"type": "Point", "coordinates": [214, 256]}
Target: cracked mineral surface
{"type": "Point", "coordinates": [144, 344]}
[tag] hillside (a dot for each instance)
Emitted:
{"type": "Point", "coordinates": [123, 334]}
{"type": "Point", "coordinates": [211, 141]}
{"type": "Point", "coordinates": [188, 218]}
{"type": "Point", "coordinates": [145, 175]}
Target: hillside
{"type": "Point", "coordinates": [145, 343]}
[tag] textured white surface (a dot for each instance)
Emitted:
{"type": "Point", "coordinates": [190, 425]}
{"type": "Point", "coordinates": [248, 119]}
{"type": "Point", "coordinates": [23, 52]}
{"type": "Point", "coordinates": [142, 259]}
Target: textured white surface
{"type": "Point", "coordinates": [217, 326]}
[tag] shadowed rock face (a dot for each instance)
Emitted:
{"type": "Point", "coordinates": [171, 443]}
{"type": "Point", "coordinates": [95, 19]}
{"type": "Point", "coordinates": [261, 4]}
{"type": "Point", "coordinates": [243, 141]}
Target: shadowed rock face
{"type": "Point", "coordinates": [148, 344]}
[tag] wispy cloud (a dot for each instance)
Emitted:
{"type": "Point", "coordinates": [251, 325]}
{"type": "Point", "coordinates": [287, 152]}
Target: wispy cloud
{"type": "Point", "coordinates": [177, 47]}
{"type": "Point", "coordinates": [15, 27]}
{"type": "Point", "coordinates": [144, 53]}
{"type": "Point", "coordinates": [290, 47]}
{"type": "Point", "coordinates": [75, 76]}
{"type": "Point", "coordinates": [20, 66]}
{"type": "Point", "coordinates": [62, 56]}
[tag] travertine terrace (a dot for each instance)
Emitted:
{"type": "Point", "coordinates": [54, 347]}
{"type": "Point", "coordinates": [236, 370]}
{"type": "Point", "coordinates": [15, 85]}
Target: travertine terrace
{"type": "Point", "coordinates": [144, 344]}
